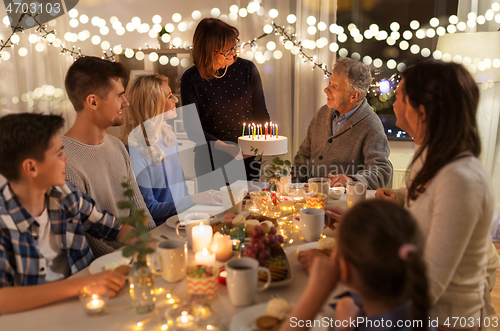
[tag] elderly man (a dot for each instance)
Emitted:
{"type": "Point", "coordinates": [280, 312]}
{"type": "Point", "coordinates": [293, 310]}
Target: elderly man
{"type": "Point", "coordinates": [345, 140]}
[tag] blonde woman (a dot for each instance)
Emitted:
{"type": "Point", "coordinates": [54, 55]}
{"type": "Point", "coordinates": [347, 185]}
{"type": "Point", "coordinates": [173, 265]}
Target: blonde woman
{"type": "Point", "coordinates": [153, 149]}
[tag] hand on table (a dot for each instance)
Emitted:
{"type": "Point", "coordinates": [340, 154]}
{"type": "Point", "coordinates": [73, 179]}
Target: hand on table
{"type": "Point", "coordinates": [386, 194]}
{"type": "Point", "coordinates": [112, 280]}
{"type": "Point", "coordinates": [339, 180]}
{"type": "Point", "coordinates": [333, 215]}
{"type": "Point", "coordinates": [210, 197]}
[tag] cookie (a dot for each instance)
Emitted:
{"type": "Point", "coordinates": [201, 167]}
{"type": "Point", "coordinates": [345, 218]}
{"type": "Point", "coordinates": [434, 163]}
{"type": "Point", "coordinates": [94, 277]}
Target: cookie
{"type": "Point", "coordinates": [266, 322]}
{"type": "Point", "coordinates": [123, 269]}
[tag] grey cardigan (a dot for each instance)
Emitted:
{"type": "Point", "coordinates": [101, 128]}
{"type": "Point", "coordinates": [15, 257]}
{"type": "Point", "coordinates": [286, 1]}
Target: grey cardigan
{"type": "Point", "coordinates": [359, 149]}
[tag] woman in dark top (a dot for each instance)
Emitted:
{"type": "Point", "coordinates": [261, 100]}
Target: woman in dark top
{"type": "Point", "coordinates": [226, 92]}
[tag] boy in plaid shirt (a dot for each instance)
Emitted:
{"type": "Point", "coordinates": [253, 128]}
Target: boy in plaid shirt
{"type": "Point", "coordinates": [43, 218]}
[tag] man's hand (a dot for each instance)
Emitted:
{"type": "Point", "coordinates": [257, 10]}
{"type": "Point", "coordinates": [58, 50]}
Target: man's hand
{"type": "Point", "coordinates": [112, 280]}
{"type": "Point", "coordinates": [339, 180]}
{"type": "Point", "coordinates": [333, 215]}
{"type": "Point", "coordinates": [386, 194]}
{"type": "Point", "coordinates": [306, 258]}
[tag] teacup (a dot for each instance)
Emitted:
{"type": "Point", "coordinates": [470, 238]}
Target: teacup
{"type": "Point", "coordinates": [319, 184]}
{"type": "Point", "coordinates": [312, 223]}
{"type": "Point", "coordinates": [172, 259]}
{"type": "Point", "coordinates": [241, 280]}
{"type": "Point", "coordinates": [336, 192]}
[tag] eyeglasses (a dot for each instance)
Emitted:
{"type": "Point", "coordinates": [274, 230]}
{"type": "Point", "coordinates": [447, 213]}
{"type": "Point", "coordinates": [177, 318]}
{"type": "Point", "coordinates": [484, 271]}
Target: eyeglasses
{"type": "Point", "coordinates": [226, 53]}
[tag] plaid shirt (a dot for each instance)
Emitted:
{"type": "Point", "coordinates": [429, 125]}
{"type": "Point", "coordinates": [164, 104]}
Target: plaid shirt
{"type": "Point", "coordinates": [71, 213]}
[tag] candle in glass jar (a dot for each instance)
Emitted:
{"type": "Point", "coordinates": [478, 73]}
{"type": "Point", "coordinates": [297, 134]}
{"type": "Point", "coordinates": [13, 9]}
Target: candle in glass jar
{"type": "Point", "coordinates": [224, 249]}
{"type": "Point", "coordinates": [95, 305]}
{"type": "Point", "coordinates": [204, 258]}
{"type": "Point", "coordinates": [185, 321]}
{"type": "Point", "coordinates": [202, 236]}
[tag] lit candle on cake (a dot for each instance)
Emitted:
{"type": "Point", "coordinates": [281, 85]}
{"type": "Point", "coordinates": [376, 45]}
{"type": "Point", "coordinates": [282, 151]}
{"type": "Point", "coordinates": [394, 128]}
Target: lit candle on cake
{"type": "Point", "coordinates": [266, 132]}
{"type": "Point", "coordinates": [202, 236]}
{"type": "Point", "coordinates": [243, 133]}
{"type": "Point", "coordinates": [276, 131]}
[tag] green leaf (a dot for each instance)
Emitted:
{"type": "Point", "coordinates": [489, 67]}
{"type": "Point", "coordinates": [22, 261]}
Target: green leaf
{"type": "Point", "coordinates": [126, 204]}
{"type": "Point", "coordinates": [144, 236]}
{"type": "Point", "coordinates": [258, 158]}
{"type": "Point", "coordinates": [125, 185]}
{"type": "Point", "coordinates": [129, 193]}
{"type": "Point", "coordinates": [127, 251]}
{"type": "Point", "coordinates": [148, 250]}
{"type": "Point", "coordinates": [288, 163]}
{"type": "Point", "coordinates": [142, 228]}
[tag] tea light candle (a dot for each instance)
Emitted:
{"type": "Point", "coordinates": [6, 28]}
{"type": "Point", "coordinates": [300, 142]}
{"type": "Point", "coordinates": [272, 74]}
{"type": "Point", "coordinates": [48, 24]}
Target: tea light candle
{"type": "Point", "coordinates": [224, 249]}
{"type": "Point", "coordinates": [204, 257]}
{"type": "Point", "coordinates": [95, 306]}
{"type": "Point", "coordinates": [185, 321]}
{"type": "Point", "coordinates": [93, 298]}
{"type": "Point", "coordinates": [202, 236]}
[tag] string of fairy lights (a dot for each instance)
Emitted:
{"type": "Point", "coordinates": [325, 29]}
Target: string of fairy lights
{"type": "Point", "coordinates": [288, 38]}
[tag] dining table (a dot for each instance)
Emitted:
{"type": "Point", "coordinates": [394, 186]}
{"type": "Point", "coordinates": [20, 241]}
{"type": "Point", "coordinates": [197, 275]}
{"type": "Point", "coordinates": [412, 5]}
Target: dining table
{"type": "Point", "coordinates": [69, 314]}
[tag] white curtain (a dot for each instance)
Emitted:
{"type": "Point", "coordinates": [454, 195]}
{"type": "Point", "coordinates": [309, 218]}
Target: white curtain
{"type": "Point", "coordinates": [35, 82]}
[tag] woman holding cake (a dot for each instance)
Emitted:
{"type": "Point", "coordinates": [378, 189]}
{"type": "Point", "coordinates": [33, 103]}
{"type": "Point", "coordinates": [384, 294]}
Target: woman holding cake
{"type": "Point", "coordinates": [226, 92]}
{"type": "Point", "coordinates": [153, 149]}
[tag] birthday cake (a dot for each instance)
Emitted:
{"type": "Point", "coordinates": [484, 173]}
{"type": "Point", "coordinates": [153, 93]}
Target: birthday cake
{"type": "Point", "coordinates": [264, 138]}
{"type": "Point", "coordinates": [268, 146]}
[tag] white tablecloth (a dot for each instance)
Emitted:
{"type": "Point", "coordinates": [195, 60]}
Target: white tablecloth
{"type": "Point", "coordinates": [69, 315]}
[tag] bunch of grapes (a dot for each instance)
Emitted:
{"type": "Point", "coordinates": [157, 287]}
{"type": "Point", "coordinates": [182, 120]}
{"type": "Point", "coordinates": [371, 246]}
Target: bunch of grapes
{"type": "Point", "coordinates": [263, 243]}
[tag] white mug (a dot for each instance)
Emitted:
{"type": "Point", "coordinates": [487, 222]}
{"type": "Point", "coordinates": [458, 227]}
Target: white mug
{"type": "Point", "coordinates": [241, 279]}
{"type": "Point", "coordinates": [190, 221]}
{"type": "Point", "coordinates": [172, 258]}
{"type": "Point", "coordinates": [319, 184]}
{"type": "Point", "coordinates": [232, 199]}
{"type": "Point", "coordinates": [312, 223]}
{"type": "Point", "coordinates": [355, 192]}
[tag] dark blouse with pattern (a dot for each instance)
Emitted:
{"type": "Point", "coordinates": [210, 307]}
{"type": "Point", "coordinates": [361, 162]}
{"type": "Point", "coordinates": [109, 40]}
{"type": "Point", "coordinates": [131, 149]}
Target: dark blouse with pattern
{"type": "Point", "coordinates": [225, 103]}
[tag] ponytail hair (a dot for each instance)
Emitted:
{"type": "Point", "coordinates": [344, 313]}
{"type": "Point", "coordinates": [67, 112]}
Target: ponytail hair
{"type": "Point", "coordinates": [371, 238]}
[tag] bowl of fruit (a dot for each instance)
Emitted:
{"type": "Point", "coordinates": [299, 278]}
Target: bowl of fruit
{"type": "Point", "coordinates": [202, 279]}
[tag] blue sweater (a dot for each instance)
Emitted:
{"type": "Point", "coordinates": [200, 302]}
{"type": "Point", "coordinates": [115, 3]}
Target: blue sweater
{"type": "Point", "coordinates": [162, 185]}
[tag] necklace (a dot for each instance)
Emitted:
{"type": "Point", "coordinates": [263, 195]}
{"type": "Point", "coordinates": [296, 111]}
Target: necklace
{"type": "Point", "coordinates": [225, 70]}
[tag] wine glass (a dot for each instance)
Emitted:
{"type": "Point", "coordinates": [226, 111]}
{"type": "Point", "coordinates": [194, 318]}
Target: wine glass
{"type": "Point", "coordinates": [298, 194]}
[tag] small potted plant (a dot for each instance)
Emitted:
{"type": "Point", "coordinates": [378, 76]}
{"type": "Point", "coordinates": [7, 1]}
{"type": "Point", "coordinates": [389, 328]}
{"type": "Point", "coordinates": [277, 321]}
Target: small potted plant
{"type": "Point", "coordinates": [278, 173]}
{"type": "Point", "coordinates": [140, 276]}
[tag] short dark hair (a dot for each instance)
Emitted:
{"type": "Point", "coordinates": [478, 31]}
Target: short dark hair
{"type": "Point", "coordinates": [23, 136]}
{"type": "Point", "coordinates": [91, 75]}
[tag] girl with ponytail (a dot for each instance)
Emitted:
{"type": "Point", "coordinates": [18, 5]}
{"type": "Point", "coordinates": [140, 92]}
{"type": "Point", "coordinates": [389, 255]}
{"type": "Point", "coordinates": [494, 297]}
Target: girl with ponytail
{"type": "Point", "coordinates": [379, 256]}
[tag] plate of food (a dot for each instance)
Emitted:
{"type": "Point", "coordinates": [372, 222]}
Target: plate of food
{"type": "Point", "coordinates": [174, 220]}
{"type": "Point", "coordinates": [266, 316]}
{"type": "Point", "coordinates": [265, 247]}
{"type": "Point", "coordinates": [324, 245]}
{"type": "Point", "coordinates": [113, 261]}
